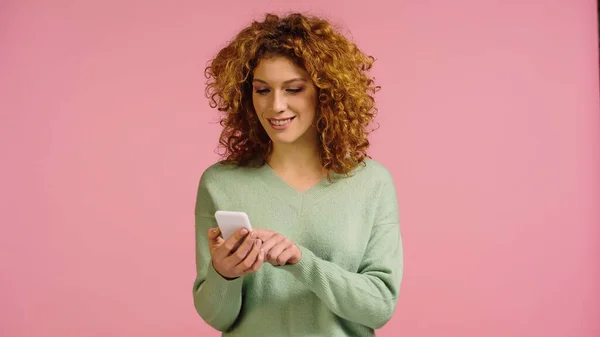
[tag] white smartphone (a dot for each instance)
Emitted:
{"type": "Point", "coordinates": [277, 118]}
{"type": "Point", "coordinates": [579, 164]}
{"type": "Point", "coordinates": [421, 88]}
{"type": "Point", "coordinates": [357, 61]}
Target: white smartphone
{"type": "Point", "coordinates": [229, 222]}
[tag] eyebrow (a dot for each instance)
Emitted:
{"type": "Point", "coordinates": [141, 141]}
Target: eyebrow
{"type": "Point", "coordinates": [285, 82]}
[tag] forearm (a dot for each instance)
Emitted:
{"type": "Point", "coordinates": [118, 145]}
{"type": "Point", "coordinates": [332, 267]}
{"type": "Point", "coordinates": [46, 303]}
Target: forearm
{"type": "Point", "coordinates": [368, 297]}
{"type": "Point", "coordinates": [217, 300]}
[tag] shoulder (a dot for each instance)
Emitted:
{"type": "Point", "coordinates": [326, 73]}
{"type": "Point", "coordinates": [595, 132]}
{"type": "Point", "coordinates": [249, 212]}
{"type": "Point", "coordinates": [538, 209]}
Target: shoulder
{"type": "Point", "coordinates": [216, 171]}
{"type": "Point", "coordinates": [219, 173]}
{"type": "Point", "coordinates": [373, 171]}
{"type": "Point", "coordinates": [379, 179]}
{"type": "Point", "coordinates": [370, 177]}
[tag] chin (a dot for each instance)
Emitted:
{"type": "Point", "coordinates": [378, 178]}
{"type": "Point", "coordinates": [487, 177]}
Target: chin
{"type": "Point", "coordinates": [284, 140]}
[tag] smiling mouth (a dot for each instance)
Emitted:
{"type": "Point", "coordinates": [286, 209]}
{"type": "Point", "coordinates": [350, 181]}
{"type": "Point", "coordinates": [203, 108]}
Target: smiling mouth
{"type": "Point", "coordinates": [281, 122]}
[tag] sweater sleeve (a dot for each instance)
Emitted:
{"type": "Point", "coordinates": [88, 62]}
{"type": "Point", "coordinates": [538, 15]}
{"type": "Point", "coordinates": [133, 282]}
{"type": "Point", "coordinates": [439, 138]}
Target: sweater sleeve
{"type": "Point", "coordinates": [369, 295]}
{"type": "Point", "coordinates": [217, 300]}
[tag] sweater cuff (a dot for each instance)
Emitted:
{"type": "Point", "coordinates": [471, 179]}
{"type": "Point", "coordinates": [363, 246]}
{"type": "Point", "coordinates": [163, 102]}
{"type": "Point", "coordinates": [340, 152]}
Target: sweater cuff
{"type": "Point", "coordinates": [220, 286]}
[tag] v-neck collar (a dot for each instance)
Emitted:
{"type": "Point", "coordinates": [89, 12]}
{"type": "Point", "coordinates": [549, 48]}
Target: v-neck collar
{"type": "Point", "coordinates": [275, 179]}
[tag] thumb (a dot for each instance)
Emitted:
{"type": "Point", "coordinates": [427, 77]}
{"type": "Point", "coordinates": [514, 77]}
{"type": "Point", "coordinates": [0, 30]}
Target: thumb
{"type": "Point", "coordinates": [213, 235]}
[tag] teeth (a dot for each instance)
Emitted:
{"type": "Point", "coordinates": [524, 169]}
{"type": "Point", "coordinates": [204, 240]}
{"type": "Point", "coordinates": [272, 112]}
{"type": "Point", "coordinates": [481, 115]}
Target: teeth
{"type": "Point", "coordinates": [280, 122]}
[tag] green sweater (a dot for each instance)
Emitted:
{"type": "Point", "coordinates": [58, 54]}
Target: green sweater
{"type": "Point", "coordinates": [346, 283]}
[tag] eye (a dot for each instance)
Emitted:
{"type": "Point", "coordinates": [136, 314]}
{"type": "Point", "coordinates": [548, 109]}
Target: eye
{"type": "Point", "coordinates": [295, 91]}
{"type": "Point", "coordinates": [262, 91]}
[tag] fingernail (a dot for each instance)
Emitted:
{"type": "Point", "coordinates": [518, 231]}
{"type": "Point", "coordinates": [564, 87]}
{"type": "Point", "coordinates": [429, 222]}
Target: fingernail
{"type": "Point", "coordinates": [252, 235]}
{"type": "Point", "coordinates": [258, 242]}
{"type": "Point", "coordinates": [244, 231]}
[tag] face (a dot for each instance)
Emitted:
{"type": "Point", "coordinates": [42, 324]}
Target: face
{"type": "Point", "coordinates": [285, 101]}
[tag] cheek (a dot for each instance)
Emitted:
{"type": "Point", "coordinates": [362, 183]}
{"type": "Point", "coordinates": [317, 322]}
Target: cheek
{"type": "Point", "coordinates": [309, 107]}
{"type": "Point", "coordinates": [311, 100]}
{"type": "Point", "coordinates": [258, 106]}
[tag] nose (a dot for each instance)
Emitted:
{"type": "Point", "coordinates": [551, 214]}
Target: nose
{"type": "Point", "coordinates": [279, 103]}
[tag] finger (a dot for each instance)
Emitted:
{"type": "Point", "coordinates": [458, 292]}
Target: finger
{"type": "Point", "coordinates": [213, 234]}
{"type": "Point", "coordinates": [272, 242]}
{"type": "Point", "coordinates": [276, 251]}
{"type": "Point", "coordinates": [260, 259]}
{"type": "Point", "coordinates": [284, 257]}
{"type": "Point", "coordinates": [296, 255]}
{"type": "Point", "coordinates": [231, 243]}
{"type": "Point", "coordinates": [235, 240]}
{"type": "Point", "coordinates": [250, 259]}
{"type": "Point", "coordinates": [213, 238]}
{"type": "Point", "coordinates": [242, 251]}
{"type": "Point", "coordinates": [264, 235]}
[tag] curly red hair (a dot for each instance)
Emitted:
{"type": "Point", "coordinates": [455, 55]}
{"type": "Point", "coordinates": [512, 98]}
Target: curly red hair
{"type": "Point", "coordinates": [337, 68]}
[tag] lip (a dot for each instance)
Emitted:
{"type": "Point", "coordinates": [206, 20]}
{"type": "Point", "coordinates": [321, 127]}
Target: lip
{"type": "Point", "coordinates": [280, 127]}
{"type": "Point", "coordinates": [280, 119]}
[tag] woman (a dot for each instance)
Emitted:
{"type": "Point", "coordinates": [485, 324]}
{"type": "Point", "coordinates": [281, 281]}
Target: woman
{"type": "Point", "coordinates": [325, 255]}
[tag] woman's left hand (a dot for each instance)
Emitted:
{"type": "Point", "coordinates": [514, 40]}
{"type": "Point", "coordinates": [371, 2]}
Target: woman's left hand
{"type": "Point", "coordinates": [278, 249]}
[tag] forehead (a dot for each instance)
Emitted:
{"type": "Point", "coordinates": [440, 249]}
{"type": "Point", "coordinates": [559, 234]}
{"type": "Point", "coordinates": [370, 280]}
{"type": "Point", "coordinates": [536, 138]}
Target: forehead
{"type": "Point", "coordinates": [278, 69]}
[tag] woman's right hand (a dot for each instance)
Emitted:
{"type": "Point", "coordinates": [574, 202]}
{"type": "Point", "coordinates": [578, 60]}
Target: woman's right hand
{"type": "Point", "coordinates": [237, 256]}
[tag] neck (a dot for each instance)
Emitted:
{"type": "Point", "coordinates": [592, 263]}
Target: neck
{"type": "Point", "coordinates": [296, 159]}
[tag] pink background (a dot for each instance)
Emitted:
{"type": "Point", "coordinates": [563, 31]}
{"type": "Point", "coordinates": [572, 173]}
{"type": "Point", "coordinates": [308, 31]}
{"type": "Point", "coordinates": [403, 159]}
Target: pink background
{"type": "Point", "coordinates": [490, 125]}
